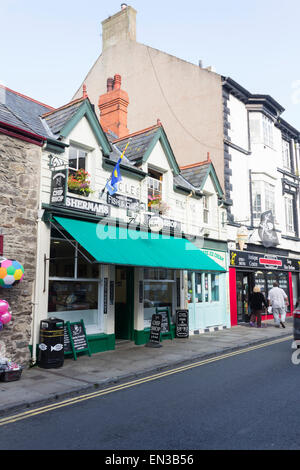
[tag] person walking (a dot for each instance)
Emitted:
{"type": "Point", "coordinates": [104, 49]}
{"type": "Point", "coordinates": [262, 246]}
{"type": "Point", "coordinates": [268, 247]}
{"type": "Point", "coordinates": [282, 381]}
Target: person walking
{"type": "Point", "coordinates": [278, 300]}
{"type": "Point", "coordinates": [258, 304]}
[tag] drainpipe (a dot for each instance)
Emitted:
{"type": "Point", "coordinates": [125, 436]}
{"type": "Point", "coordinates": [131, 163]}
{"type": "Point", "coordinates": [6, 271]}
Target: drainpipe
{"type": "Point", "coordinates": [39, 262]}
{"type": "Point", "coordinates": [251, 201]}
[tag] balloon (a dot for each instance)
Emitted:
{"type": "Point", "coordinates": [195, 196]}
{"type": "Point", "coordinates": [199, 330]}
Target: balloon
{"type": "Point", "coordinates": [1, 325]}
{"type": "Point", "coordinates": [5, 317]}
{"type": "Point", "coordinates": [11, 272]}
{"type": "Point", "coordinates": [4, 306]}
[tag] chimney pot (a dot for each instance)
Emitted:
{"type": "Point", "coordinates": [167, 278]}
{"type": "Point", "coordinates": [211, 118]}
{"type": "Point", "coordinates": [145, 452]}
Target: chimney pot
{"type": "Point", "coordinates": [110, 84]}
{"type": "Point", "coordinates": [117, 82]}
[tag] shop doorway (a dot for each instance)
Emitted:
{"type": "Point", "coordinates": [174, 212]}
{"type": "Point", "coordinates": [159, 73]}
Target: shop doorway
{"type": "Point", "coordinates": [243, 288]}
{"type": "Point", "coordinates": [124, 303]}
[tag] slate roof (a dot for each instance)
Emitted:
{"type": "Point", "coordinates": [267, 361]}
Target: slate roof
{"type": "Point", "coordinates": [58, 118]}
{"type": "Point", "coordinates": [9, 118]}
{"type": "Point", "coordinates": [196, 175]}
{"type": "Point", "coordinates": [22, 111]}
{"type": "Point", "coordinates": [140, 141]}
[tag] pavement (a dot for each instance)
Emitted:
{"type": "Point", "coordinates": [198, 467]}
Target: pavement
{"type": "Point", "coordinates": [38, 387]}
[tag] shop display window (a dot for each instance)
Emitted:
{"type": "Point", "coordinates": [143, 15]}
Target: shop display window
{"type": "Point", "coordinates": [72, 301]}
{"type": "Point", "coordinates": [206, 287]}
{"type": "Point", "coordinates": [74, 284]}
{"type": "Point", "coordinates": [159, 291]}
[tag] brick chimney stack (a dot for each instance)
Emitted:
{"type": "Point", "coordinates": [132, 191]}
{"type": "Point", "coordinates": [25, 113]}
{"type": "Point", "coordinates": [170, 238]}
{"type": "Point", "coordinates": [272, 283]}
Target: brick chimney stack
{"type": "Point", "coordinates": [113, 108]}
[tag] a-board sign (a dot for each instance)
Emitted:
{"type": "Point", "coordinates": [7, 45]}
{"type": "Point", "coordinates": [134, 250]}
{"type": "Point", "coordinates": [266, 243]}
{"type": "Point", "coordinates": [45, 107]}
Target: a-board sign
{"type": "Point", "coordinates": [182, 324]}
{"type": "Point", "coordinates": [75, 339]}
{"type": "Point", "coordinates": [166, 321]}
{"type": "Point", "coordinates": [155, 328]}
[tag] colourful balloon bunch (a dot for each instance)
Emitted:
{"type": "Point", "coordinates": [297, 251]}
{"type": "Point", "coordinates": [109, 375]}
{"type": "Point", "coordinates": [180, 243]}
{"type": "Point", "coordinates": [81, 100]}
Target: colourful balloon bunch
{"type": "Point", "coordinates": [11, 272]}
{"type": "Point", "coordinates": [5, 315]}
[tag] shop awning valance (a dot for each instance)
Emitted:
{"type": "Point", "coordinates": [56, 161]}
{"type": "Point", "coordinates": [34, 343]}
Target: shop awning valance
{"type": "Point", "coordinates": [118, 245]}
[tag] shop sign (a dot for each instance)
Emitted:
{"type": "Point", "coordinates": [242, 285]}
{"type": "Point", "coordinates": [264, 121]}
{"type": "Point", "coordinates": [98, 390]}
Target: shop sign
{"type": "Point", "coordinates": [266, 230]}
{"type": "Point", "coordinates": [58, 186]}
{"type": "Point", "coordinates": [242, 259]}
{"type": "Point", "coordinates": [155, 329]}
{"type": "Point", "coordinates": [167, 224]}
{"type": "Point", "coordinates": [123, 202]}
{"type": "Point", "coordinates": [155, 223]}
{"type": "Point", "coordinates": [182, 323]}
{"type": "Point", "coordinates": [96, 208]}
{"type": "Point", "coordinates": [218, 256]}
{"type": "Point", "coordinates": [75, 339]}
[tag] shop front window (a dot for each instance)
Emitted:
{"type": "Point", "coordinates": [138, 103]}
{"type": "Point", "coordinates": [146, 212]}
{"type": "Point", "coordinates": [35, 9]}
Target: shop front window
{"type": "Point", "coordinates": [159, 286]}
{"type": "Point", "coordinates": [74, 284]}
{"type": "Point", "coordinates": [206, 287]}
{"type": "Point", "coordinates": [73, 301]}
{"type": "Point", "coordinates": [215, 283]}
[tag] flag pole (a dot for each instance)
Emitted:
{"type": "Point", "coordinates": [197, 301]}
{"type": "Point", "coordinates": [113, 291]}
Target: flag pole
{"type": "Point", "coordinates": [120, 159]}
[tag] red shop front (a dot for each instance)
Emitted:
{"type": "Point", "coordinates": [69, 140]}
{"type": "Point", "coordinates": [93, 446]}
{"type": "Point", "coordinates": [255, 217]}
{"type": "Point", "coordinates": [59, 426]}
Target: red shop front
{"type": "Point", "coordinates": [248, 269]}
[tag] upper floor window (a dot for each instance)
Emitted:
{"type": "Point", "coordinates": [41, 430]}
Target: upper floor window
{"type": "Point", "coordinates": [263, 195]}
{"type": "Point", "coordinates": [267, 131]}
{"type": "Point", "coordinates": [154, 182]}
{"type": "Point", "coordinates": [286, 159]}
{"type": "Point", "coordinates": [206, 209]}
{"type": "Point", "coordinates": [289, 213]}
{"type": "Point", "coordinates": [77, 159]}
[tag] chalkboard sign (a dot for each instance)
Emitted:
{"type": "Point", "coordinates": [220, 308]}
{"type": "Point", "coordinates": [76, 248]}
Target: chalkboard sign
{"type": "Point", "coordinates": [155, 329]}
{"type": "Point", "coordinates": [75, 339]}
{"type": "Point", "coordinates": [182, 324]}
{"type": "Point", "coordinates": [166, 321]}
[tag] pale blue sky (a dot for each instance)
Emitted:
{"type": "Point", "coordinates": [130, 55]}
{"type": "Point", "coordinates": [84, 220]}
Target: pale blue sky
{"type": "Point", "coordinates": [46, 48]}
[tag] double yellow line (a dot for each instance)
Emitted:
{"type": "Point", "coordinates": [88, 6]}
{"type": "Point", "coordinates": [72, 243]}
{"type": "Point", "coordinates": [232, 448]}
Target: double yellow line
{"type": "Point", "coordinates": [73, 401]}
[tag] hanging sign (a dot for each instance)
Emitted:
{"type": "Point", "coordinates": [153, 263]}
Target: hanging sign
{"type": "Point", "coordinates": [182, 323]}
{"type": "Point", "coordinates": [155, 223]}
{"type": "Point", "coordinates": [266, 230]}
{"type": "Point", "coordinates": [75, 339]}
{"type": "Point", "coordinates": [58, 192]}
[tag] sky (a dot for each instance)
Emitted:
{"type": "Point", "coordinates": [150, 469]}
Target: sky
{"type": "Point", "coordinates": [47, 48]}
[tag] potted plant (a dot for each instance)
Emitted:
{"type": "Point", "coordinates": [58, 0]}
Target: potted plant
{"type": "Point", "coordinates": [79, 183]}
{"type": "Point", "coordinates": [155, 204]}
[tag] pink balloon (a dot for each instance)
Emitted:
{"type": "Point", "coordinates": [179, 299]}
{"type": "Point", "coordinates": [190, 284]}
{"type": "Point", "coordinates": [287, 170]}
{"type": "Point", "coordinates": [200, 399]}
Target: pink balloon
{"type": "Point", "coordinates": [5, 317]}
{"type": "Point", "coordinates": [4, 306]}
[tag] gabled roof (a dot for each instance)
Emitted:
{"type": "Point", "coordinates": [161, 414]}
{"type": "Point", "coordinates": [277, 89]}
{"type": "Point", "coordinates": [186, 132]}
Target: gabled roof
{"type": "Point", "coordinates": [62, 121]}
{"type": "Point", "coordinates": [142, 144]}
{"type": "Point", "coordinates": [198, 173]}
{"type": "Point", "coordinates": [26, 111]}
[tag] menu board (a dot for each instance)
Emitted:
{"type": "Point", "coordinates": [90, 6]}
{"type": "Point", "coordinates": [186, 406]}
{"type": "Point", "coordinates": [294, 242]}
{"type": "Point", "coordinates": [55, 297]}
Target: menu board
{"type": "Point", "coordinates": [155, 328]}
{"type": "Point", "coordinates": [165, 327]}
{"type": "Point", "coordinates": [75, 339]}
{"type": "Point", "coordinates": [182, 323]}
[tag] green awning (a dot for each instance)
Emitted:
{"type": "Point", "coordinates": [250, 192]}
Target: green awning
{"type": "Point", "coordinates": [117, 245]}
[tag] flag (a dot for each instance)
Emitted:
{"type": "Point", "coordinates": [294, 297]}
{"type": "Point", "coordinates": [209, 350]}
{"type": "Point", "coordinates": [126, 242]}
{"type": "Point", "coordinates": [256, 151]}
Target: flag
{"type": "Point", "coordinates": [116, 177]}
{"type": "Point", "coordinates": [111, 185]}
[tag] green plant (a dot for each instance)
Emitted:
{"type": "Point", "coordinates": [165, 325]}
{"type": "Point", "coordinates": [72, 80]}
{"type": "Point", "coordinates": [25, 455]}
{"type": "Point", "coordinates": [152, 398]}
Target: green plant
{"type": "Point", "coordinates": [79, 182]}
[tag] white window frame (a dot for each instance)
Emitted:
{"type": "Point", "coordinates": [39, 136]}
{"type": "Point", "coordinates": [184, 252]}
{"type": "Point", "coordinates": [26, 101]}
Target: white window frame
{"type": "Point", "coordinates": [206, 208]}
{"type": "Point", "coordinates": [267, 124]}
{"type": "Point", "coordinates": [289, 214]}
{"type": "Point", "coordinates": [286, 156]}
{"type": "Point", "coordinates": [78, 149]}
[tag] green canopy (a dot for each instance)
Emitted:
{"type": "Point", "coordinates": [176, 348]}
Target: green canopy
{"type": "Point", "coordinates": [116, 245]}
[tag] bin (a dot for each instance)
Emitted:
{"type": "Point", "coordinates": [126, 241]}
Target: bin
{"type": "Point", "coordinates": [51, 345]}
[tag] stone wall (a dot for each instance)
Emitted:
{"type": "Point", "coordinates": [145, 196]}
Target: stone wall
{"type": "Point", "coordinates": [19, 188]}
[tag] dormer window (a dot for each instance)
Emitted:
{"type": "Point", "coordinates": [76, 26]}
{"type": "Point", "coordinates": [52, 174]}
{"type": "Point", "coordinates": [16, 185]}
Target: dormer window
{"type": "Point", "coordinates": [77, 159]}
{"type": "Point", "coordinates": [154, 182]}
